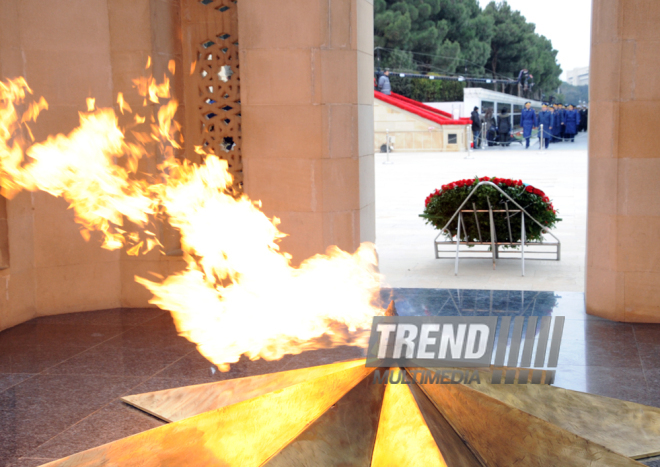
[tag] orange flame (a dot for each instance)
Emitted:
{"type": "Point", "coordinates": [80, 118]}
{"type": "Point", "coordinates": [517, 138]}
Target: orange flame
{"type": "Point", "coordinates": [238, 294]}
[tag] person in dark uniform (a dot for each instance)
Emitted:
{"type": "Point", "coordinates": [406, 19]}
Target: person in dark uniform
{"type": "Point", "coordinates": [553, 116]}
{"type": "Point", "coordinates": [476, 127]}
{"type": "Point", "coordinates": [583, 119]}
{"type": "Point", "coordinates": [491, 127]}
{"type": "Point", "coordinates": [562, 124]}
{"type": "Point", "coordinates": [545, 118]}
{"type": "Point", "coordinates": [528, 122]}
{"type": "Point", "coordinates": [571, 120]}
{"type": "Point", "coordinates": [503, 127]}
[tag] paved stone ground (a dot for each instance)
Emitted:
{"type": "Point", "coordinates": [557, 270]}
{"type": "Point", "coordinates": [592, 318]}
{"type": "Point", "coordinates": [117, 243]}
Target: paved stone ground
{"type": "Point", "coordinates": [405, 242]}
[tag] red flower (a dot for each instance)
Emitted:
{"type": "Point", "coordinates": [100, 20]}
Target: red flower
{"type": "Point", "coordinates": [469, 182]}
{"type": "Point", "coordinates": [484, 179]}
{"type": "Point", "coordinates": [538, 192]}
{"type": "Point", "coordinates": [529, 189]}
{"type": "Point", "coordinates": [460, 183]}
{"type": "Point", "coordinates": [508, 182]}
{"type": "Point", "coordinates": [519, 183]}
{"type": "Point", "coordinates": [546, 199]}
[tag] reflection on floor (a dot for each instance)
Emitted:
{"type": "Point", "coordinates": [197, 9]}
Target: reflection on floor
{"type": "Point", "coordinates": [61, 376]}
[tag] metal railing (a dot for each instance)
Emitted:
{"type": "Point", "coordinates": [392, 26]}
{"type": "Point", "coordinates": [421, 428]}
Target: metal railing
{"type": "Point", "coordinates": [552, 253]}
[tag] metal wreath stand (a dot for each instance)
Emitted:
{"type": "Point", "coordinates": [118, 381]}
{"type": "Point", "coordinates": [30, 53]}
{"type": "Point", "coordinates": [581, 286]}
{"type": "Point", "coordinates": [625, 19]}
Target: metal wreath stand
{"type": "Point", "coordinates": [494, 243]}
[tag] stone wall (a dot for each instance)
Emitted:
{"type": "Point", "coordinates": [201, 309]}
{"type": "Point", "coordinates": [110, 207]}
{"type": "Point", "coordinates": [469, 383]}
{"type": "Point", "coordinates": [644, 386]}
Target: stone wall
{"type": "Point", "coordinates": [623, 252]}
{"type": "Point", "coordinates": [307, 100]}
{"type": "Point", "coordinates": [68, 51]}
{"type": "Point", "coordinates": [411, 132]}
{"type": "Point", "coordinates": [306, 96]}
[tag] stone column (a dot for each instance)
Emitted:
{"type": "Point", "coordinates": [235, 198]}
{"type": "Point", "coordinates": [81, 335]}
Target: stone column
{"type": "Point", "coordinates": [307, 118]}
{"type": "Point", "coordinates": [623, 254]}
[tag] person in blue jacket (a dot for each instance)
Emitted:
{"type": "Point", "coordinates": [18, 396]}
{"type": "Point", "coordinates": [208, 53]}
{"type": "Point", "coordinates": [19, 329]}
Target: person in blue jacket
{"type": "Point", "coordinates": [545, 118]}
{"type": "Point", "coordinates": [562, 122]}
{"type": "Point", "coordinates": [528, 122]}
{"type": "Point", "coordinates": [571, 123]}
{"type": "Point", "coordinates": [556, 125]}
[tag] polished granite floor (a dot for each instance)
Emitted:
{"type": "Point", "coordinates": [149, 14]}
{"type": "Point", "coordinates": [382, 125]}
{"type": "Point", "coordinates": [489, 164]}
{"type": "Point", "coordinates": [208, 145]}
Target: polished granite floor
{"type": "Point", "coordinates": [61, 376]}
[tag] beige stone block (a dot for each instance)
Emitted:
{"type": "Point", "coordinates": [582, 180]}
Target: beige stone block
{"type": "Point", "coordinates": [21, 243]}
{"type": "Point", "coordinates": [341, 184]}
{"type": "Point", "coordinates": [20, 205]}
{"type": "Point", "coordinates": [129, 62]}
{"type": "Point", "coordinates": [4, 304]}
{"type": "Point", "coordinates": [11, 62]}
{"type": "Point", "coordinates": [340, 24]}
{"type": "Point", "coordinates": [286, 184]}
{"type": "Point", "coordinates": [605, 85]}
{"type": "Point", "coordinates": [56, 120]}
{"type": "Point", "coordinates": [341, 131]}
{"type": "Point", "coordinates": [57, 239]}
{"type": "Point", "coordinates": [10, 33]}
{"type": "Point", "coordinates": [338, 76]}
{"type": "Point", "coordinates": [368, 223]}
{"type": "Point", "coordinates": [134, 295]}
{"type": "Point", "coordinates": [19, 287]}
{"type": "Point", "coordinates": [130, 25]}
{"type": "Point", "coordinates": [166, 27]}
{"type": "Point", "coordinates": [365, 129]}
{"type": "Point", "coordinates": [606, 20]}
{"type": "Point", "coordinates": [367, 180]}
{"type": "Point", "coordinates": [365, 78]}
{"type": "Point", "coordinates": [283, 131]}
{"type": "Point", "coordinates": [276, 77]}
{"type": "Point", "coordinates": [77, 287]}
{"type": "Point", "coordinates": [341, 229]}
{"type": "Point", "coordinates": [603, 129]}
{"type": "Point", "coordinates": [405, 126]}
{"type": "Point", "coordinates": [282, 24]}
{"type": "Point", "coordinates": [640, 19]}
{"type": "Point", "coordinates": [603, 241]}
{"type": "Point", "coordinates": [67, 25]}
{"type": "Point", "coordinates": [647, 70]}
{"type": "Point", "coordinates": [638, 132]}
{"type": "Point", "coordinates": [604, 293]}
{"type": "Point", "coordinates": [4, 244]}
{"type": "Point", "coordinates": [365, 27]}
{"type": "Point", "coordinates": [642, 296]}
{"type": "Point", "coordinates": [603, 179]}
{"type": "Point", "coordinates": [639, 179]}
{"type": "Point", "coordinates": [638, 244]}
{"type": "Point", "coordinates": [629, 76]}
{"type": "Point", "coordinates": [305, 234]}
{"type": "Point", "coordinates": [79, 75]}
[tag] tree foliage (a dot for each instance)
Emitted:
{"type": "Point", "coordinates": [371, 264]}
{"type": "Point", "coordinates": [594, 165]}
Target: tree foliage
{"type": "Point", "coordinates": [457, 36]}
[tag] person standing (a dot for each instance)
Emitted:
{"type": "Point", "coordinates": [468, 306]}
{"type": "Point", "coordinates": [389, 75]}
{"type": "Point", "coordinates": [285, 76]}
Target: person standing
{"type": "Point", "coordinates": [555, 129]}
{"type": "Point", "coordinates": [503, 127]}
{"type": "Point", "coordinates": [545, 119]}
{"type": "Point", "coordinates": [570, 123]}
{"type": "Point", "coordinates": [528, 122]}
{"type": "Point", "coordinates": [384, 85]}
{"type": "Point", "coordinates": [476, 127]}
{"type": "Point", "coordinates": [562, 124]}
{"type": "Point", "coordinates": [491, 127]}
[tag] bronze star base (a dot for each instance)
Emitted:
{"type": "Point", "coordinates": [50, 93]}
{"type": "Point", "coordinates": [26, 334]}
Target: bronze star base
{"type": "Point", "coordinates": [333, 415]}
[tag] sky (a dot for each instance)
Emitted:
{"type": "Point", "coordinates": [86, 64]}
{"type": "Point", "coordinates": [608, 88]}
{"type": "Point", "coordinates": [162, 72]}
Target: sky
{"type": "Point", "coordinates": [567, 23]}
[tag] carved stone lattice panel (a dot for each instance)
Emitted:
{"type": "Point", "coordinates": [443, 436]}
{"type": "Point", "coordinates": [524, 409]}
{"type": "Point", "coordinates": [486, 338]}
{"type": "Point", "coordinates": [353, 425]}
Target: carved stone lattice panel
{"type": "Point", "coordinates": [213, 102]}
